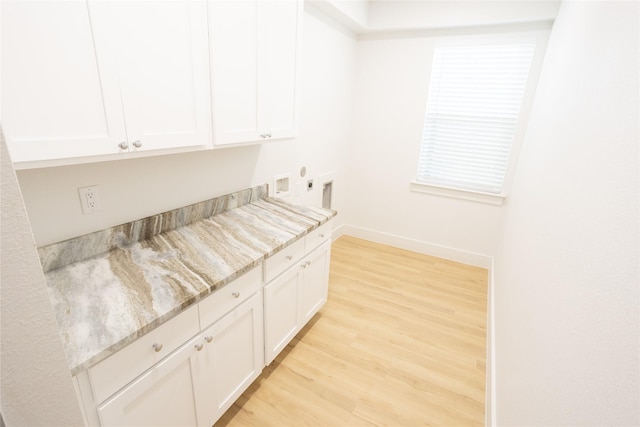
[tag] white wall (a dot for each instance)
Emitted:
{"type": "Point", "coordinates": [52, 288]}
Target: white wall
{"type": "Point", "coordinates": [136, 188]}
{"type": "Point", "coordinates": [567, 276]}
{"type": "Point", "coordinates": [390, 101]}
{"type": "Point", "coordinates": [36, 388]}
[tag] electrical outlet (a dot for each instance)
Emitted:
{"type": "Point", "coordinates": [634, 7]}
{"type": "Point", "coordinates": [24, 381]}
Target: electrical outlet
{"type": "Point", "coordinates": [90, 199]}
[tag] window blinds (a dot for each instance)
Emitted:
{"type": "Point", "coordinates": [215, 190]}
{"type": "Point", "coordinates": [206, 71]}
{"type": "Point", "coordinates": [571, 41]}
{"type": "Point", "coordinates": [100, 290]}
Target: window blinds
{"type": "Point", "coordinates": [473, 105]}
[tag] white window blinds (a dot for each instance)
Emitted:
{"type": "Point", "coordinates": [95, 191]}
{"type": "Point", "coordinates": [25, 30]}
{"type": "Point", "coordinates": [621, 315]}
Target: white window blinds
{"type": "Point", "coordinates": [473, 105]}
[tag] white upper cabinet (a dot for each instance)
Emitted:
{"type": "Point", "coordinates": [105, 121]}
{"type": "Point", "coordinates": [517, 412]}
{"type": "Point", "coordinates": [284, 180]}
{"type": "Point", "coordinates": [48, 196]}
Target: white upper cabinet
{"type": "Point", "coordinates": [278, 37]}
{"type": "Point", "coordinates": [55, 101]}
{"type": "Point", "coordinates": [104, 77]}
{"type": "Point", "coordinates": [254, 69]}
{"type": "Point", "coordinates": [159, 49]}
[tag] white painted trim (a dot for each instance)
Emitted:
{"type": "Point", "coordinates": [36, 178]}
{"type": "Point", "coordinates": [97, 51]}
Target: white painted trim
{"type": "Point", "coordinates": [458, 193]}
{"type": "Point", "coordinates": [337, 232]}
{"type": "Point", "coordinates": [490, 391]}
{"type": "Point", "coordinates": [458, 255]}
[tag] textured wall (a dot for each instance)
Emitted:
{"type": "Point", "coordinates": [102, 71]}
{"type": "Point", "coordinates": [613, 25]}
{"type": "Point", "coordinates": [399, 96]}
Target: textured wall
{"type": "Point", "coordinates": [36, 385]}
{"type": "Point", "coordinates": [567, 275]}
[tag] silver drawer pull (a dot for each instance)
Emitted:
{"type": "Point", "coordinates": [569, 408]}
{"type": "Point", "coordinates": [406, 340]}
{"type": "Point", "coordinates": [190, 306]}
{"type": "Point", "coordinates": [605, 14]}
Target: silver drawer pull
{"type": "Point", "coordinates": [307, 263]}
{"type": "Point", "coordinates": [208, 339]}
{"type": "Point", "coordinates": [236, 294]}
{"type": "Point", "coordinates": [157, 347]}
{"type": "Point", "coordinates": [303, 265]}
{"type": "Point", "coordinates": [289, 257]}
{"type": "Point", "coordinates": [322, 236]}
{"type": "Point", "coordinates": [199, 346]}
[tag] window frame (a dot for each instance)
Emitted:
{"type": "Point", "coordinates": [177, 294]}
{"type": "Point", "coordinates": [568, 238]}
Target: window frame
{"type": "Point", "coordinates": [538, 37]}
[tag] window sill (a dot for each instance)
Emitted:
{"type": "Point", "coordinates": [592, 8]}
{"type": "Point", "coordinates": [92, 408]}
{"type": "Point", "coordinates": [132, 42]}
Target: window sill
{"type": "Point", "coordinates": [456, 193]}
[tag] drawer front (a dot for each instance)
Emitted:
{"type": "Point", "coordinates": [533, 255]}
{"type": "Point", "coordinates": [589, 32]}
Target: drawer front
{"type": "Point", "coordinates": [318, 236]}
{"type": "Point", "coordinates": [280, 261]}
{"type": "Point", "coordinates": [122, 367]}
{"type": "Point", "coordinates": [228, 297]}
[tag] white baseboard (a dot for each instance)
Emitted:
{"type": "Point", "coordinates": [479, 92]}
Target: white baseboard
{"type": "Point", "coordinates": [419, 246]}
{"type": "Point", "coordinates": [458, 255]}
{"type": "Point", "coordinates": [490, 391]}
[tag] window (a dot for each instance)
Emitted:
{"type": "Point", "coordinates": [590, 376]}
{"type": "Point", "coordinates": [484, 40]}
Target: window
{"type": "Point", "coordinates": [474, 101]}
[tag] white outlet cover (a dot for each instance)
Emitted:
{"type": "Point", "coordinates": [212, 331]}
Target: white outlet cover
{"type": "Point", "coordinates": [90, 199]}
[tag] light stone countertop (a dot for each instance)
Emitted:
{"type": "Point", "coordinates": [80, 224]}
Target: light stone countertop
{"type": "Point", "coordinates": [111, 287]}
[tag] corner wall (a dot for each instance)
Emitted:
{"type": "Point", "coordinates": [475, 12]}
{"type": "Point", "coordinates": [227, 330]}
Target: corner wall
{"type": "Point", "coordinates": [35, 380]}
{"type": "Point", "coordinates": [567, 267]}
{"type": "Point", "coordinates": [393, 72]}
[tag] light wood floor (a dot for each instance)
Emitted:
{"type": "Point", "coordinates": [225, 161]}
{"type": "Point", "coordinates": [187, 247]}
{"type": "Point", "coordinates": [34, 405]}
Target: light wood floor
{"type": "Point", "coordinates": [400, 342]}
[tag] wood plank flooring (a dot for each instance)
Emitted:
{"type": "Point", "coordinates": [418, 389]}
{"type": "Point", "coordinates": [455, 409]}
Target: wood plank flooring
{"type": "Point", "coordinates": [400, 342]}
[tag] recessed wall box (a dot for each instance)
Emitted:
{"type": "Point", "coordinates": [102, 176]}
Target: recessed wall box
{"type": "Point", "coordinates": [281, 185]}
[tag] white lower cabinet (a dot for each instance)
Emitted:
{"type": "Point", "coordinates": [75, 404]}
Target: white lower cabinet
{"type": "Point", "coordinates": [164, 396]}
{"type": "Point", "coordinates": [281, 314]}
{"type": "Point", "coordinates": [229, 336]}
{"type": "Point", "coordinates": [314, 286]}
{"type": "Point", "coordinates": [232, 356]}
{"type": "Point", "coordinates": [199, 382]}
{"type": "Point", "coordinates": [292, 298]}
{"type": "Point", "coordinates": [193, 384]}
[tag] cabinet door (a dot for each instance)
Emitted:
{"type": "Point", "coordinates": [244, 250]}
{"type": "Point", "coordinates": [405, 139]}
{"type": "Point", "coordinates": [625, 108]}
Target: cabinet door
{"type": "Point", "coordinates": [164, 396]}
{"type": "Point", "coordinates": [254, 54]}
{"type": "Point", "coordinates": [232, 357]}
{"type": "Point", "coordinates": [160, 52]}
{"type": "Point", "coordinates": [279, 29]}
{"type": "Point", "coordinates": [281, 317]}
{"type": "Point", "coordinates": [234, 73]}
{"type": "Point", "coordinates": [315, 283]}
{"type": "Point", "coordinates": [56, 103]}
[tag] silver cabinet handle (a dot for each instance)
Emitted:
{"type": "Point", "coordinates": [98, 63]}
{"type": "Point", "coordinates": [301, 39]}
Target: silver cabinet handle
{"type": "Point", "coordinates": [307, 263]}
{"type": "Point", "coordinates": [208, 339]}
{"type": "Point", "coordinates": [157, 347]}
{"type": "Point", "coordinates": [137, 143]}
{"type": "Point", "coordinates": [123, 145]}
{"type": "Point", "coordinates": [289, 257]}
{"type": "Point", "coordinates": [236, 294]}
{"type": "Point", "coordinates": [303, 265]}
{"type": "Point", "coordinates": [199, 346]}
{"type": "Point", "coordinates": [321, 236]}
{"type": "Point", "coordinates": [268, 135]}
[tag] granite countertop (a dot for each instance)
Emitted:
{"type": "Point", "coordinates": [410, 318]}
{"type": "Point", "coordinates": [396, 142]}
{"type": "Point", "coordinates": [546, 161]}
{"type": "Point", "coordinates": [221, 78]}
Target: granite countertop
{"type": "Point", "coordinates": [110, 287]}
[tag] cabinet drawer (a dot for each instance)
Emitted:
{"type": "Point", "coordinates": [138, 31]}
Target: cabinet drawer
{"type": "Point", "coordinates": [113, 373]}
{"type": "Point", "coordinates": [318, 236]}
{"type": "Point", "coordinates": [225, 299]}
{"type": "Point", "coordinates": [280, 261]}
